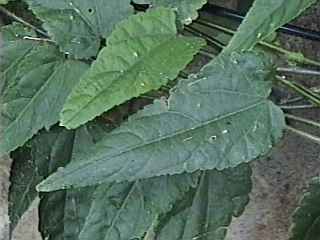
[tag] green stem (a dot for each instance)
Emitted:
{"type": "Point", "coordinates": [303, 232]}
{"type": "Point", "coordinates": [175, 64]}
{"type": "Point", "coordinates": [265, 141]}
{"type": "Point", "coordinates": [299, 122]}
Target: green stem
{"type": "Point", "coordinates": [303, 134]}
{"type": "Point", "coordinates": [301, 71]}
{"type": "Point", "coordinates": [293, 56]}
{"type": "Point", "coordinates": [295, 107]}
{"type": "Point", "coordinates": [303, 120]}
{"type": "Point", "coordinates": [300, 90]}
{"type": "Point", "coordinates": [210, 39]}
{"type": "Point", "coordinates": [20, 20]}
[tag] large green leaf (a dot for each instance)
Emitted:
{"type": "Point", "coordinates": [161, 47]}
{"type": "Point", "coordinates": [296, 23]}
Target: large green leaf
{"type": "Point", "coordinates": [264, 17]}
{"type": "Point", "coordinates": [186, 9]}
{"type": "Point", "coordinates": [137, 59]}
{"type": "Point", "coordinates": [127, 210]}
{"type": "Point", "coordinates": [306, 219]}
{"type": "Point", "coordinates": [36, 81]}
{"type": "Point", "coordinates": [208, 212]}
{"type": "Point", "coordinates": [217, 119]}
{"type": "Point", "coordinates": [78, 26]}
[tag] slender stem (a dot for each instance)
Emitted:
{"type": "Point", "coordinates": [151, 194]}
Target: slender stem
{"type": "Point", "coordinates": [301, 71]}
{"type": "Point", "coordinates": [294, 107]}
{"type": "Point", "coordinates": [303, 134]}
{"type": "Point", "coordinates": [210, 39]}
{"type": "Point", "coordinates": [303, 120]}
{"type": "Point", "coordinates": [206, 53]}
{"type": "Point", "coordinates": [301, 90]}
{"type": "Point", "coordinates": [38, 39]}
{"type": "Point", "coordinates": [293, 56]}
{"type": "Point", "coordinates": [18, 19]}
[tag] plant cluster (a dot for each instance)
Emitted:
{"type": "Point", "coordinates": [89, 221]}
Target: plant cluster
{"type": "Point", "coordinates": [109, 123]}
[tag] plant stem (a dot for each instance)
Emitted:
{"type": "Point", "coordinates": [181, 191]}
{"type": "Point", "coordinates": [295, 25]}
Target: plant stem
{"type": "Point", "coordinates": [294, 107]}
{"type": "Point", "coordinates": [22, 21]}
{"type": "Point", "coordinates": [300, 90]}
{"type": "Point", "coordinates": [206, 53]}
{"type": "Point", "coordinates": [293, 56]}
{"type": "Point", "coordinates": [303, 134]}
{"type": "Point", "coordinates": [303, 120]}
{"type": "Point", "coordinates": [301, 71]}
{"type": "Point", "coordinates": [38, 39]}
{"type": "Point", "coordinates": [214, 42]}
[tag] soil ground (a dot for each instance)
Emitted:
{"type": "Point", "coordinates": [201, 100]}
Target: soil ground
{"type": "Point", "coordinates": [279, 180]}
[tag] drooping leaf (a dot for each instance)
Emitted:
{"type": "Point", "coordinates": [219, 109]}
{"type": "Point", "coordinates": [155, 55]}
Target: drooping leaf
{"type": "Point", "coordinates": [62, 213]}
{"type": "Point", "coordinates": [23, 180]}
{"type": "Point", "coordinates": [127, 210]}
{"type": "Point", "coordinates": [208, 212]}
{"type": "Point", "coordinates": [186, 9]}
{"type": "Point", "coordinates": [52, 150]}
{"type": "Point", "coordinates": [306, 218]}
{"type": "Point", "coordinates": [35, 81]}
{"type": "Point", "coordinates": [264, 17]}
{"type": "Point", "coordinates": [217, 119]}
{"type": "Point", "coordinates": [137, 59]}
{"type": "Point", "coordinates": [78, 26]}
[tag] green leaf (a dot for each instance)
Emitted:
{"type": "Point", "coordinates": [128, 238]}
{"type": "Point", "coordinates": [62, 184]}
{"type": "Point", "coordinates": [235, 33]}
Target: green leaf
{"type": "Point", "coordinates": [127, 210]}
{"type": "Point", "coordinates": [264, 17]}
{"type": "Point", "coordinates": [23, 180]}
{"type": "Point", "coordinates": [186, 9]}
{"type": "Point", "coordinates": [35, 81]}
{"type": "Point", "coordinates": [52, 150]}
{"type": "Point", "coordinates": [78, 26]}
{"type": "Point", "coordinates": [4, 1]}
{"type": "Point", "coordinates": [306, 219]}
{"type": "Point", "coordinates": [137, 59]}
{"type": "Point", "coordinates": [62, 213]}
{"type": "Point", "coordinates": [217, 119]}
{"type": "Point", "coordinates": [208, 212]}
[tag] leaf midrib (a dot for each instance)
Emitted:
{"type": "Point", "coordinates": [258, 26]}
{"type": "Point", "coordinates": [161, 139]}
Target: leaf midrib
{"type": "Point", "coordinates": [153, 141]}
{"type": "Point", "coordinates": [125, 73]}
{"type": "Point", "coordinates": [34, 98]}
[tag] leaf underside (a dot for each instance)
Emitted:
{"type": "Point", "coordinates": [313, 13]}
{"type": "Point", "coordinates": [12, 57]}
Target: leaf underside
{"type": "Point", "coordinates": [78, 26]}
{"type": "Point", "coordinates": [306, 218]}
{"type": "Point", "coordinates": [35, 82]}
{"type": "Point", "coordinates": [217, 119]}
{"type": "Point", "coordinates": [137, 59]}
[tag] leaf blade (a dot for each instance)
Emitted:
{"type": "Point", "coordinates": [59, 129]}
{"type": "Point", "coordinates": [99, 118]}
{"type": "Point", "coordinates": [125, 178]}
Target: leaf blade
{"type": "Point", "coordinates": [219, 196]}
{"type": "Point", "coordinates": [79, 25]}
{"type": "Point", "coordinates": [138, 59]}
{"type": "Point", "coordinates": [36, 81]}
{"type": "Point", "coordinates": [305, 220]}
{"type": "Point", "coordinates": [263, 19]}
{"type": "Point", "coordinates": [196, 128]}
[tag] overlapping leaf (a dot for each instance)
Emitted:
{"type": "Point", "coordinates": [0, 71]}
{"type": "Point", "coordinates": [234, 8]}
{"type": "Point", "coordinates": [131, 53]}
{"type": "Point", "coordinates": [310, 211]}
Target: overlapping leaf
{"type": "Point", "coordinates": [127, 210]}
{"type": "Point", "coordinates": [23, 180]}
{"type": "Point", "coordinates": [186, 9]}
{"type": "Point", "coordinates": [138, 58]}
{"type": "Point", "coordinates": [35, 82]}
{"type": "Point", "coordinates": [306, 219]}
{"type": "Point", "coordinates": [207, 214]}
{"type": "Point", "coordinates": [78, 26]}
{"type": "Point", "coordinates": [218, 119]}
{"type": "Point", "coordinates": [63, 213]}
{"type": "Point", "coordinates": [264, 17]}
